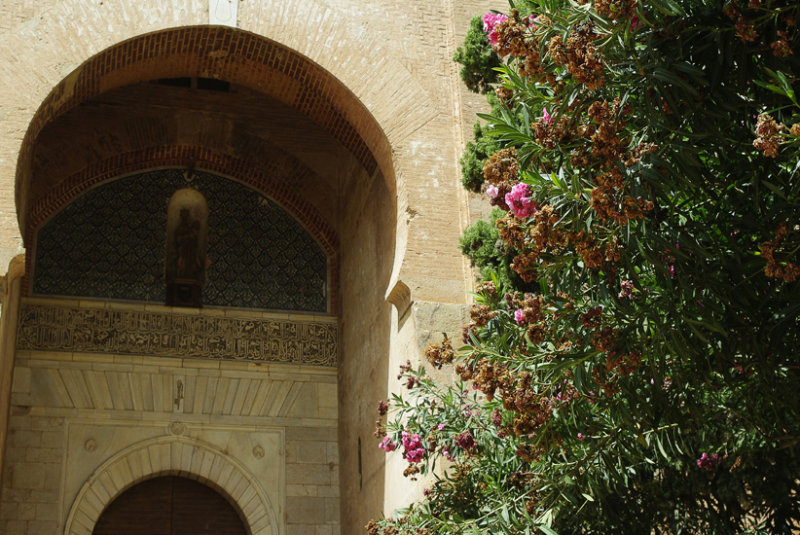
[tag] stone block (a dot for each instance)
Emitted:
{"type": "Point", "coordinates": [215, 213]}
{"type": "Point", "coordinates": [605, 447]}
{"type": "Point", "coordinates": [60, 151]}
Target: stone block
{"type": "Point", "coordinates": [311, 433]}
{"type": "Point", "coordinates": [327, 395]}
{"type": "Point", "coordinates": [15, 454]}
{"type": "Point", "coordinates": [43, 455]}
{"type": "Point", "coordinates": [52, 439]}
{"type": "Point", "coordinates": [308, 474]}
{"type": "Point", "coordinates": [312, 452]}
{"type": "Point", "coordinates": [332, 509]}
{"type": "Point", "coordinates": [26, 439]}
{"type": "Point", "coordinates": [26, 511]}
{"type": "Point", "coordinates": [52, 475]}
{"type": "Point", "coordinates": [16, 527]}
{"type": "Point", "coordinates": [47, 511]}
{"type": "Point", "coordinates": [16, 495]}
{"type": "Point", "coordinates": [331, 491]}
{"type": "Point", "coordinates": [47, 424]}
{"type": "Point", "coordinates": [41, 496]}
{"type": "Point", "coordinates": [328, 413]}
{"type": "Point", "coordinates": [28, 476]}
{"type": "Point", "coordinates": [22, 380]}
{"type": "Point", "coordinates": [308, 510]}
{"type": "Point", "coordinates": [302, 490]}
{"type": "Point", "coordinates": [9, 511]}
{"type": "Point", "coordinates": [43, 527]}
{"type": "Point", "coordinates": [333, 452]}
{"type": "Point", "coordinates": [301, 529]}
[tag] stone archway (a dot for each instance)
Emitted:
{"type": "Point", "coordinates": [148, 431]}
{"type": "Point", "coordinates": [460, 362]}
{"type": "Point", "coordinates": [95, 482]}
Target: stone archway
{"type": "Point", "coordinates": [362, 97]}
{"type": "Point", "coordinates": [174, 455]}
{"type": "Point", "coordinates": [220, 53]}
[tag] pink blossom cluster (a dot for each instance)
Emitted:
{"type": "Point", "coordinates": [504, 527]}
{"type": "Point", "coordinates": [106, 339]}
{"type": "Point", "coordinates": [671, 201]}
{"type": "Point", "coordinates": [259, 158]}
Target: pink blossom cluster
{"type": "Point", "coordinates": [708, 462]}
{"type": "Point", "coordinates": [519, 317]}
{"type": "Point", "coordinates": [447, 454]}
{"type": "Point", "coordinates": [387, 445]}
{"type": "Point", "coordinates": [520, 202]}
{"type": "Point", "coordinates": [490, 21]}
{"type": "Point", "coordinates": [414, 451]}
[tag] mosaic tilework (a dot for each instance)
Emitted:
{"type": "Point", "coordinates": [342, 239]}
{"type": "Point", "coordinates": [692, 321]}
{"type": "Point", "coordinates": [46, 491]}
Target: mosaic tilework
{"type": "Point", "coordinates": [109, 243]}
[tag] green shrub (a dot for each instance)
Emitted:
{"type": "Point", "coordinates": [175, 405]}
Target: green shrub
{"type": "Point", "coordinates": [649, 384]}
{"type": "Point", "coordinates": [477, 59]}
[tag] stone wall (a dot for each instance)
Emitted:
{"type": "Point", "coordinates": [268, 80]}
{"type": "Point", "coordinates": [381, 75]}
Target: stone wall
{"type": "Point", "coordinates": [77, 416]}
{"type": "Point", "coordinates": [387, 70]}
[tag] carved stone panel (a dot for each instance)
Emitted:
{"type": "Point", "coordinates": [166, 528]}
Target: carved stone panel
{"type": "Point", "coordinates": [169, 334]}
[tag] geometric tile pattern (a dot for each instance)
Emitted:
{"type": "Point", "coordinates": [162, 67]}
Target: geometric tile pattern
{"type": "Point", "coordinates": [110, 243]}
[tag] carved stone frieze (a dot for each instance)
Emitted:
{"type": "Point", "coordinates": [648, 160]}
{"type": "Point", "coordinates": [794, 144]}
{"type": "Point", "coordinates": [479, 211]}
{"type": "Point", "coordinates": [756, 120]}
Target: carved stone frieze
{"type": "Point", "coordinates": [169, 334]}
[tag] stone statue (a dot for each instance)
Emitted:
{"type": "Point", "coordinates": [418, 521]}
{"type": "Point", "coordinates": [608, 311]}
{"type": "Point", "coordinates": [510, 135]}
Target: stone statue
{"type": "Point", "coordinates": [188, 264]}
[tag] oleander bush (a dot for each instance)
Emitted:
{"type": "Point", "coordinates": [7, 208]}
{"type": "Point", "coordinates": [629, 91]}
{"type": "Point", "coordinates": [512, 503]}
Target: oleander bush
{"type": "Point", "coordinates": [632, 363]}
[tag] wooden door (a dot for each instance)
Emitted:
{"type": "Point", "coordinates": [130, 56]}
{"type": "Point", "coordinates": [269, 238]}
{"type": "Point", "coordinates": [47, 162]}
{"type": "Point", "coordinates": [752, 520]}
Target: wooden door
{"type": "Point", "coordinates": [170, 506]}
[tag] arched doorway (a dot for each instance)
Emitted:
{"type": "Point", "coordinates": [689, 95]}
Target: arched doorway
{"type": "Point", "coordinates": [288, 131]}
{"type": "Point", "coordinates": [170, 505]}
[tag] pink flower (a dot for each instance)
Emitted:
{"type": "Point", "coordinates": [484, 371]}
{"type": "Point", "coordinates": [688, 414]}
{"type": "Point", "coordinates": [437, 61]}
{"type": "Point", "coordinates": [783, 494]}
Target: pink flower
{"type": "Point", "coordinates": [387, 445]}
{"type": "Point", "coordinates": [708, 462]}
{"type": "Point", "coordinates": [581, 436]}
{"type": "Point", "coordinates": [415, 455]}
{"type": "Point", "coordinates": [440, 427]}
{"type": "Point", "coordinates": [520, 202]}
{"type": "Point", "coordinates": [492, 192]}
{"type": "Point", "coordinates": [410, 441]}
{"type": "Point", "coordinates": [546, 118]}
{"type": "Point", "coordinates": [635, 22]}
{"type": "Point", "coordinates": [413, 447]}
{"type": "Point", "coordinates": [490, 21]}
{"type": "Point", "coordinates": [519, 316]}
{"type": "Point", "coordinates": [447, 454]}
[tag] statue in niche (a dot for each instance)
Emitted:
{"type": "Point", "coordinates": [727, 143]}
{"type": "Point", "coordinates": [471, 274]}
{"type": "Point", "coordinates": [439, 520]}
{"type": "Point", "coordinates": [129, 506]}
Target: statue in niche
{"type": "Point", "coordinates": [187, 252]}
{"type": "Point", "coordinates": [186, 243]}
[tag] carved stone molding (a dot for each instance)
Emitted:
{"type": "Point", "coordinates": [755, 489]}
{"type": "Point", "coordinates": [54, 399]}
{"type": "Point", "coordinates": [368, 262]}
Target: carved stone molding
{"type": "Point", "coordinates": [180, 456]}
{"type": "Point", "coordinates": [172, 334]}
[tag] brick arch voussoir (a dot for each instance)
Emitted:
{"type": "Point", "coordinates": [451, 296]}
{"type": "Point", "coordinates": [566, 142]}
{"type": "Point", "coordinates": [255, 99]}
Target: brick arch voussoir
{"type": "Point", "coordinates": [275, 186]}
{"type": "Point", "coordinates": [172, 455]}
{"type": "Point", "coordinates": [225, 53]}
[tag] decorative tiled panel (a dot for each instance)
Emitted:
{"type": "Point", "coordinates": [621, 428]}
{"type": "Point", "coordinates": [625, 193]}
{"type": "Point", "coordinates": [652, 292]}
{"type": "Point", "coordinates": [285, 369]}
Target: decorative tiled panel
{"type": "Point", "coordinates": [121, 332]}
{"type": "Point", "coordinates": [110, 243]}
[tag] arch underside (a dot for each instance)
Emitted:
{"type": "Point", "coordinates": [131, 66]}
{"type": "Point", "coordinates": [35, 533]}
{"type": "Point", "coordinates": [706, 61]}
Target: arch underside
{"type": "Point", "coordinates": [219, 53]}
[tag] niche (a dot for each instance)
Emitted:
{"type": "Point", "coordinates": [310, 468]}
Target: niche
{"type": "Point", "coordinates": [186, 246]}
